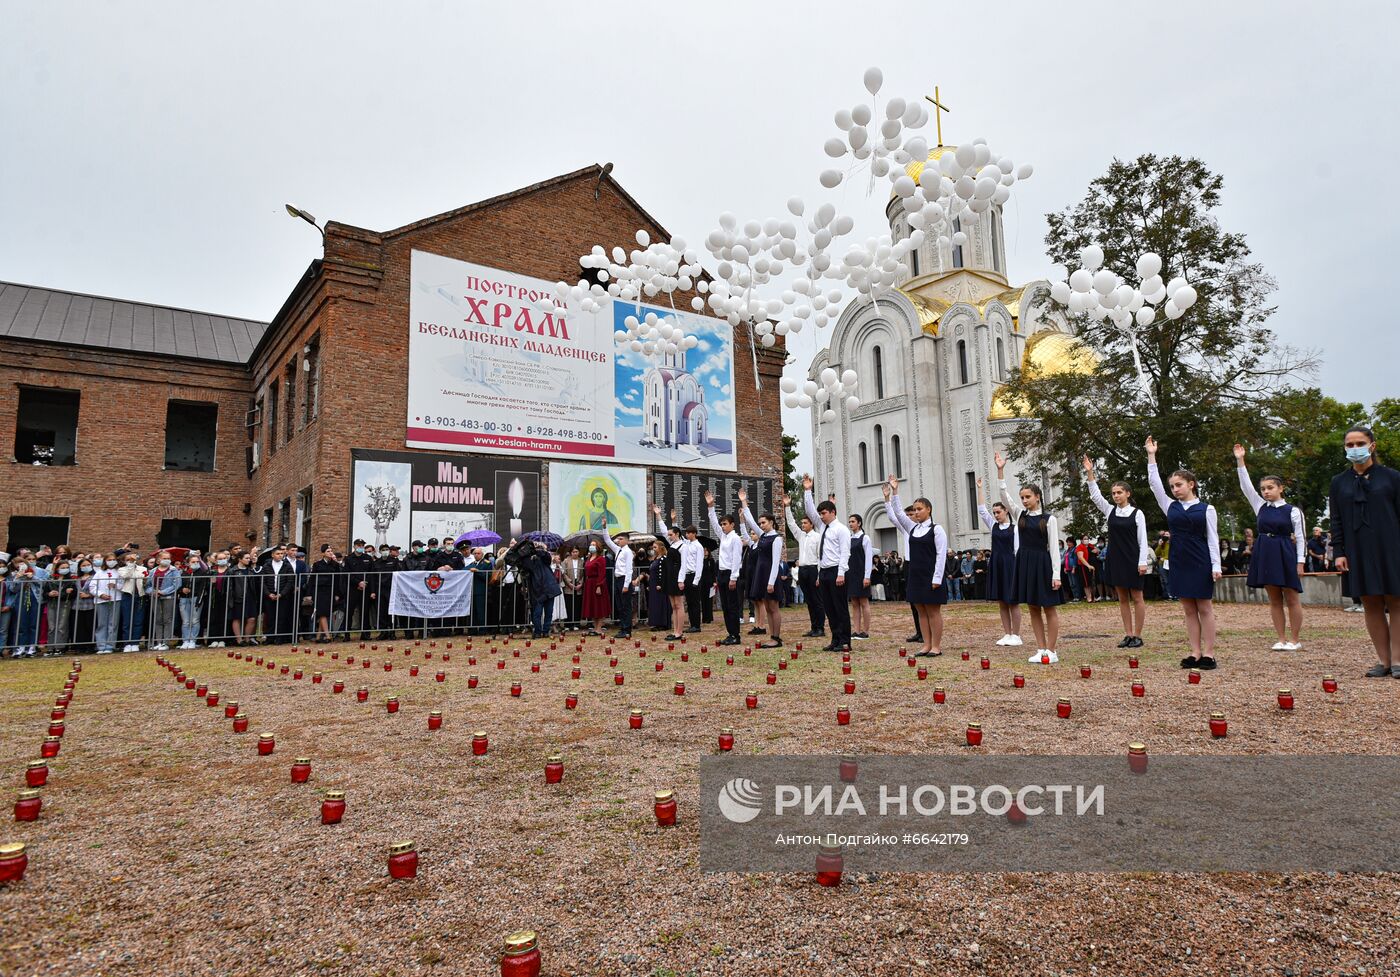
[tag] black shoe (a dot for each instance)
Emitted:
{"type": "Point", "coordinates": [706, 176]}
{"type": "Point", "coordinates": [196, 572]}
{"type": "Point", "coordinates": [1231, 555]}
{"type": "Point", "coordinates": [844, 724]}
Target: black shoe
{"type": "Point", "coordinates": [758, 630]}
{"type": "Point", "coordinates": [1189, 662]}
{"type": "Point", "coordinates": [815, 634]}
{"type": "Point", "coordinates": [1207, 664]}
{"type": "Point", "coordinates": [1127, 641]}
{"type": "Point", "coordinates": [914, 639]}
{"type": "Point", "coordinates": [1136, 642]}
{"type": "Point", "coordinates": [773, 643]}
{"type": "Point", "coordinates": [673, 637]}
{"type": "Point", "coordinates": [928, 654]}
{"type": "Point", "coordinates": [692, 630]}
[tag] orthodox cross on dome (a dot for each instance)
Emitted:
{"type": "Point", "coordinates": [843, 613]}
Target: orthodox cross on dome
{"type": "Point", "coordinates": [938, 109]}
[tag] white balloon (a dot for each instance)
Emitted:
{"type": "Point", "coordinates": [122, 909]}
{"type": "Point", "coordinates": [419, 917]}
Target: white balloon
{"type": "Point", "coordinates": [643, 238]}
{"type": "Point", "coordinates": [1147, 266]}
{"type": "Point", "coordinates": [1024, 171]}
{"type": "Point", "coordinates": [790, 400]}
{"type": "Point", "coordinates": [835, 148]}
{"type": "Point", "coordinates": [985, 187]}
{"type": "Point", "coordinates": [1150, 285]}
{"type": "Point", "coordinates": [1184, 297]}
{"type": "Point", "coordinates": [1145, 315]}
{"type": "Point", "coordinates": [1105, 281]}
{"type": "Point", "coordinates": [965, 187]}
{"type": "Point", "coordinates": [842, 225]}
{"type": "Point", "coordinates": [795, 206]}
{"type": "Point", "coordinates": [1060, 292]}
{"type": "Point", "coordinates": [804, 401]}
{"type": "Point", "coordinates": [966, 155]}
{"type": "Point", "coordinates": [1175, 285]}
{"type": "Point", "coordinates": [960, 239]}
{"type": "Point", "coordinates": [828, 415]}
{"type": "Point", "coordinates": [843, 119]}
{"type": "Point", "coordinates": [852, 403]}
{"type": "Point", "coordinates": [1171, 310]}
{"type": "Point", "coordinates": [848, 378]}
{"type": "Point", "coordinates": [904, 186]}
{"type": "Point", "coordinates": [829, 377]}
{"type": "Point", "coordinates": [894, 108]}
{"type": "Point", "coordinates": [809, 387]}
{"type": "Point", "coordinates": [860, 115]}
{"type": "Point", "coordinates": [1091, 257]}
{"type": "Point", "coordinates": [874, 78]}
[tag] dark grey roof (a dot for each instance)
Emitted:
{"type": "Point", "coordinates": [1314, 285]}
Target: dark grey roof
{"type": "Point", "coordinates": [49, 315]}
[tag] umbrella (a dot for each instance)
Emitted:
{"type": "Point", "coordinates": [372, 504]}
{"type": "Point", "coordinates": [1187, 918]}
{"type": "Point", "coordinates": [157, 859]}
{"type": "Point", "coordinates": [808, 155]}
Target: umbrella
{"type": "Point", "coordinates": [478, 537]}
{"type": "Point", "coordinates": [706, 541]}
{"type": "Point", "coordinates": [550, 540]}
{"type": "Point", "coordinates": [581, 540]}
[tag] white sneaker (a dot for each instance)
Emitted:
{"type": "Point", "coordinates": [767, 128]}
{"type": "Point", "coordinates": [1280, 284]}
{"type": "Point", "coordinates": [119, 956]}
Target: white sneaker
{"type": "Point", "coordinates": [1014, 640]}
{"type": "Point", "coordinates": [1280, 646]}
{"type": "Point", "coordinates": [750, 620]}
{"type": "Point", "coordinates": [1054, 658]}
{"type": "Point", "coordinates": [161, 647]}
{"type": "Point", "coordinates": [1034, 659]}
{"type": "Point", "coordinates": [1292, 646]}
{"type": "Point", "coordinates": [1005, 639]}
{"type": "Point", "coordinates": [104, 651]}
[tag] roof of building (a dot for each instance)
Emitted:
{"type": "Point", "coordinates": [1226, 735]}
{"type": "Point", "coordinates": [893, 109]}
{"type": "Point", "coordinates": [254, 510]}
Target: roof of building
{"type": "Point", "coordinates": [72, 318]}
{"type": "Point", "coordinates": [1048, 353]}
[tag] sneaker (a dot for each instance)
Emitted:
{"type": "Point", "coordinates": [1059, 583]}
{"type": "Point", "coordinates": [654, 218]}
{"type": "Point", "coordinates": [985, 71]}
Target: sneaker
{"type": "Point", "coordinates": [1005, 639]}
{"type": "Point", "coordinates": [1292, 646]}
{"type": "Point", "coordinates": [1054, 658]}
{"type": "Point", "coordinates": [861, 636]}
{"type": "Point", "coordinates": [1280, 646]}
{"type": "Point", "coordinates": [1034, 659]}
{"type": "Point", "coordinates": [1378, 671]}
{"type": "Point", "coordinates": [1356, 609]}
{"type": "Point", "coordinates": [104, 651]}
{"type": "Point", "coordinates": [1136, 642]}
{"type": "Point", "coordinates": [1015, 641]}
{"type": "Point", "coordinates": [750, 620]}
{"type": "Point", "coordinates": [1207, 663]}
{"type": "Point", "coordinates": [161, 647]}
{"type": "Point", "coordinates": [1127, 641]}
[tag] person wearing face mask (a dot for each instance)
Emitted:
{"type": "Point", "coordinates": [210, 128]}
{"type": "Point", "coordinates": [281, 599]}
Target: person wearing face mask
{"type": "Point", "coordinates": [1364, 503]}
{"type": "Point", "coordinates": [26, 583]}
{"type": "Point", "coordinates": [131, 616]}
{"type": "Point", "coordinates": [597, 598]}
{"type": "Point", "coordinates": [193, 599]}
{"type": "Point", "coordinates": [358, 566]}
{"type": "Point", "coordinates": [388, 564]}
{"type": "Point", "coordinates": [105, 589]}
{"type": "Point", "coordinates": [84, 624]}
{"type": "Point", "coordinates": [61, 604]}
{"type": "Point", "coordinates": [215, 586]}
{"type": "Point", "coordinates": [164, 587]}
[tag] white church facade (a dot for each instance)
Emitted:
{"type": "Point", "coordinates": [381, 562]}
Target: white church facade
{"type": "Point", "coordinates": [932, 355]}
{"type": "Point", "coordinates": [673, 405]}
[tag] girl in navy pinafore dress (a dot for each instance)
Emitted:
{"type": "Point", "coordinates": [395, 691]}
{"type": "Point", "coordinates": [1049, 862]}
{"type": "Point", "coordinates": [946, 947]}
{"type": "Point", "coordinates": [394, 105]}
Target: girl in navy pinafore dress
{"type": "Point", "coordinates": [1037, 578]}
{"type": "Point", "coordinates": [1280, 549]}
{"type": "Point", "coordinates": [1195, 551]}
{"type": "Point", "coordinates": [1001, 568]}
{"type": "Point", "coordinates": [1129, 557]}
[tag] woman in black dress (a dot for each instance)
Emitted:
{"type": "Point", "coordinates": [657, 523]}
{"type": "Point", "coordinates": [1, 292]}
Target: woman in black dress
{"type": "Point", "coordinates": [327, 594]}
{"type": "Point", "coordinates": [1365, 509]}
{"type": "Point", "coordinates": [928, 557]}
{"type": "Point", "coordinates": [763, 583]}
{"type": "Point", "coordinates": [1037, 545]}
{"type": "Point", "coordinates": [658, 604]}
{"type": "Point", "coordinates": [1001, 567]}
{"type": "Point", "coordinates": [245, 600]}
{"type": "Point", "coordinates": [1129, 557]}
{"type": "Point", "coordinates": [1277, 555]}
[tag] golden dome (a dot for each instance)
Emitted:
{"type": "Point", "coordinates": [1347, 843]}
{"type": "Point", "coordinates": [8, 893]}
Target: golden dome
{"type": "Point", "coordinates": [1048, 353]}
{"type": "Point", "coordinates": [934, 155]}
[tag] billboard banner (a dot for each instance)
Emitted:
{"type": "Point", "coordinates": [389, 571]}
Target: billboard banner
{"type": "Point", "coordinates": [490, 371]}
{"type": "Point", "coordinates": [598, 498]}
{"type": "Point", "coordinates": [399, 496]}
{"type": "Point", "coordinates": [685, 492]}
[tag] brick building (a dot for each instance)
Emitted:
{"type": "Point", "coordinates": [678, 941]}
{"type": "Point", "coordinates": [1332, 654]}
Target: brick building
{"type": "Point", "coordinates": [136, 422]}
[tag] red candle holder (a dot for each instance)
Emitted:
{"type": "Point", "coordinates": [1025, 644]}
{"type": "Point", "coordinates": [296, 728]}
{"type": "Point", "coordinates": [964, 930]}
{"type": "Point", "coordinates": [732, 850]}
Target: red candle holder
{"type": "Point", "coordinates": [966, 655]}
{"type": "Point", "coordinates": [471, 659]}
{"type": "Point", "coordinates": [259, 661]}
{"type": "Point", "coordinates": [576, 659]}
{"type": "Point", "coordinates": [1218, 726]}
{"type": "Point", "coordinates": [36, 773]}
{"type": "Point", "coordinates": [335, 656]}
{"type": "Point", "coordinates": [286, 669]}
{"type": "Point", "coordinates": [435, 720]}
{"type": "Point", "coordinates": [903, 652]}
{"type": "Point", "coordinates": [782, 664]}
{"type": "Point", "coordinates": [362, 694]}
{"type": "Point", "coordinates": [388, 666]}
{"type": "Point", "coordinates": [843, 716]}
{"type": "Point", "coordinates": [266, 744]}
{"type": "Point", "coordinates": [1062, 708]}
{"type": "Point", "coordinates": [685, 656]}
{"type": "Point", "coordinates": [201, 690]}
{"type": "Point", "coordinates": [1016, 814]}
{"type": "Point", "coordinates": [986, 663]}
{"type": "Point", "coordinates": [230, 655]}
{"type": "Point", "coordinates": [333, 807]}
{"type": "Point", "coordinates": [301, 770]}
{"type": "Point", "coordinates": [617, 678]}
{"type": "Point", "coordinates": [634, 719]}
{"type": "Point", "coordinates": [366, 663]}
{"type": "Point", "coordinates": [296, 675]}
{"type": "Point", "coordinates": [974, 734]}
{"type": "Point", "coordinates": [848, 769]}
{"type": "Point", "coordinates": [571, 701]}
{"type": "Point", "coordinates": [729, 659]}
{"type": "Point", "coordinates": [845, 668]}
{"type": "Point", "coordinates": [471, 681]}
{"type": "Point", "coordinates": [1139, 689]}
{"type": "Point", "coordinates": [705, 671]}
{"type": "Point", "coordinates": [515, 689]}
{"type": "Point", "coordinates": [1019, 681]}
{"type": "Point", "coordinates": [500, 663]}
{"type": "Point", "coordinates": [240, 723]}
{"type": "Point", "coordinates": [56, 728]}
{"type": "Point", "coordinates": [911, 661]}
{"type": "Point", "coordinates": [403, 860]}
{"type": "Point", "coordinates": [316, 678]}
{"type": "Point", "coordinates": [642, 653]}
{"type": "Point", "coordinates": [1285, 699]}
{"type": "Point", "coordinates": [1085, 671]}
{"type": "Point", "coordinates": [940, 695]}
{"type": "Point", "coordinates": [515, 653]}
{"type": "Point", "coordinates": [412, 671]}
{"type": "Point", "coordinates": [726, 739]}
{"type": "Point", "coordinates": [320, 653]}
{"type": "Point", "coordinates": [664, 804]}
{"type": "Point", "coordinates": [1132, 661]}
{"type": "Point", "coordinates": [1329, 684]}
{"type": "Point", "coordinates": [190, 683]}
{"type": "Point", "coordinates": [1193, 677]}
{"type": "Point", "coordinates": [337, 686]}
{"type": "Point", "coordinates": [13, 861]}
{"type": "Point", "coordinates": [751, 700]}
{"type": "Point", "coordinates": [612, 662]}
{"type": "Point", "coordinates": [1137, 757]}
{"type": "Point", "coordinates": [212, 699]}
{"type": "Point", "coordinates": [575, 673]}
{"type": "Point", "coordinates": [554, 769]}
{"type": "Point", "coordinates": [28, 805]}
{"type": "Point", "coordinates": [748, 652]}
{"type": "Point", "coordinates": [772, 678]}
{"type": "Point", "coordinates": [535, 667]}
{"type": "Point", "coordinates": [391, 704]}
{"type": "Point", "coordinates": [49, 749]}
{"type": "Point", "coordinates": [830, 865]}
{"type": "Point", "coordinates": [850, 686]}
{"type": "Point", "coordinates": [846, 657]}
{"type": "Point", "coordinates": [295, 649]}
{"type": "Point", "coordinates": [680, 688]}
{"type": "Point", "coordinates": [230, 708]}
{"type": "Point", "coordinates": [479, 743]}
{"type": "Point", "coordinates": [671, 646]}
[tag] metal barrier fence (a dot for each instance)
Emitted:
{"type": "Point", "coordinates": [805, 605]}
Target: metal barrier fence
{"type": "Point", "coordinates": [103, 613]}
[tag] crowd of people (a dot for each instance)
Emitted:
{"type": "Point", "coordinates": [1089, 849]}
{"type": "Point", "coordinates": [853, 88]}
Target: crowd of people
{"type": "Point", "coordinates": [61, 599]}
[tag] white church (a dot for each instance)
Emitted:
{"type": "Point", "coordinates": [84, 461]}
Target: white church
{"type": "Point", "coordinates": [932, 356]}
{"type": "Point", "coordinates": [673, 405]}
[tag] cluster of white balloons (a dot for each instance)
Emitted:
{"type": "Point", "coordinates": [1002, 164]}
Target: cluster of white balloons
{"type": "Point", "coordinates": [655, 268]}
{"type": "Point", "coordinates": [834, 389]}
{"type": "Point", "coordinates": [654, 335]}
{"type": "Point", "coordinates": [586, 296]}
{"type": "Point", "coordinates": [1101, 294]}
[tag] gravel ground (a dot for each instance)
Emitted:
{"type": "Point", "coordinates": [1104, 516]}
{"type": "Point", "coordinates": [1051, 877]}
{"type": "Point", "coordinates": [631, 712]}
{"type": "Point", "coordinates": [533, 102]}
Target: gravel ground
{"type": "Point", "coordinates": [167, 846]}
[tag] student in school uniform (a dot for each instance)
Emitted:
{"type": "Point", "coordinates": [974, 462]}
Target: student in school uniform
{"type": "Point", "coordinates": [1278, 553]}
{"type": "Point", "coordinates": [763, 585]}
{"type": "Point", "coordinates": [858, 580]}
{"type": "Point", "coordinates": [1129, 556]}
{"type": "Point", "coordinates": [833, 565]}
{"type": "Point", "coordinates": [691, 571]}
{"type": "Point", "coordinates": [731, 555]}
{"type": "Point", "coordinates": [1195, 556]}
{"type": "Point", "coordinates": [625, 582]}
{"type": "Point", "coordinates": [1001, 567]}
{"type": "Point", "coordinates": [928, 556]}
{"type": "Point", "coordinates": [1365, 510]}
{"type": "Point", "coordinates": [673, 570]}
{"type": "Point", "coordinates": [1037, 546]}
{"type": "Point", "coordinates": [807, 539]}
{"type": "Point", "coordinates": [755, 531]}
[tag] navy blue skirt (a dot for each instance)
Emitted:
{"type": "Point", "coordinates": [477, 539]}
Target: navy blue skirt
{"type": "Point", "coordinates": [1034, 576]}
{"type": "Point", "coordinates": [1274, 563]}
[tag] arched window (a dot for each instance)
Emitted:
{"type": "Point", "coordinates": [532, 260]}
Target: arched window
{"type": "Point", "coordinates": [864, 465]}
{"type": "Point", "coordinates": [962, 361]}
{"type": "Point", "coordinates": [898, 460]}
{"type": "Point", "coordinates": [879, 359]}
{"type": "Point", "coordinates": [879, 452]}
{"type": "Point", "coordinates": [996, 240]}
{"type": "Point", "coordinates": [957, 248]}
{"type": "Point", "coordinates": [1001, 359]}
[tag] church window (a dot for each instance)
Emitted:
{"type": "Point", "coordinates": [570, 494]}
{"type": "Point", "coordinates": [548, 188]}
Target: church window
{"type": "Point", "coordinates": [996, 241]}
{"type": "Point", "coordinates": [971, 486]}
{"type": "Point", "coordinates": [879, 452]}
{"type": "Point", "coordinates": [1001, 359]}
{"type": "Point", "coordinates": [894, 452]}
{"type": "Point", "coordinates": [864, 464]}
{"type": "Point", "coordinates": [957, 248]}
{"type": "Point", "coordinates": [962, 361]}
{"type": "Point", "coordinates": [878, 357]}
{"type": "Point", "coordinates": [914, 262]}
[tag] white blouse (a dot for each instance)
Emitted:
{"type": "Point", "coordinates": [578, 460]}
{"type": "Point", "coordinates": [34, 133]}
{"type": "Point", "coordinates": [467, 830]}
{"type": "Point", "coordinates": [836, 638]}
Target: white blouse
{"type": "Point", "coordinates": [1256, 502]}
{"type": "Point", "coordinates": [1052, 530]}
{"type": "Point", "coordinates": [1164, 501]}
{"type": "Point", "coordinates": [1106, 507]}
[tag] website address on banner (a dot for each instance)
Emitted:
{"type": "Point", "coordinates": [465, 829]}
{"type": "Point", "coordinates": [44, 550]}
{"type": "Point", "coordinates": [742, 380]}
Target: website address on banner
{"type": "Point", "coordinates": [431, 438]}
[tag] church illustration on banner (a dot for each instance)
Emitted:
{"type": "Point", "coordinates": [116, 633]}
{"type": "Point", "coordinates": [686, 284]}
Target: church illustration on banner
{"type": "Point", "coordinates": [673, 405]}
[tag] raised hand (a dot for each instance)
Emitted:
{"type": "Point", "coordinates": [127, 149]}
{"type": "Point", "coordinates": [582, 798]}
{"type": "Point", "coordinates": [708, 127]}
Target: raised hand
{"type": "Point", "coordinates": [1089, 467]}
{"type": "Point", "coordinates": [1239, 453]}
{"type": "Point", "coordinates": [1151, 446]}
{"type": "Point", "coordinates": [785, 500]}
{"type": "Point", "coordinates": [743, 498]}
{"type": "Point", "coordinates": [831, 497]}
{"type": "Point", "coordinates": [806, 483]}
{"type": "Point", "coordinates": [656, 509]}
{"type": "Point", "coordinates": [887, 490]}
{"type": "Point", "coordinates": [673, 515]}
{"type": "Point", "coordinates": [1000, 461]}
{"type": "Point", "coordinates": [893, 483]}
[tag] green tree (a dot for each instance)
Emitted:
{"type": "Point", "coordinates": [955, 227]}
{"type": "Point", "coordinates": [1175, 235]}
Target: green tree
{"type": "Point", "coordinates": [1215, 373]}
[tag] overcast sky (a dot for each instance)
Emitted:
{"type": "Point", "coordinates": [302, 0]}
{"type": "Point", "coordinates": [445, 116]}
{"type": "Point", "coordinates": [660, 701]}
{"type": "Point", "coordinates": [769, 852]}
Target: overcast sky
{"type": "Point", "coordinates": [149, 147]}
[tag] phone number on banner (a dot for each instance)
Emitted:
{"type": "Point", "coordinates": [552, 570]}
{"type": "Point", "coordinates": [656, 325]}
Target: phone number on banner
{"type": "Point", "coordinates": [466, 424]}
